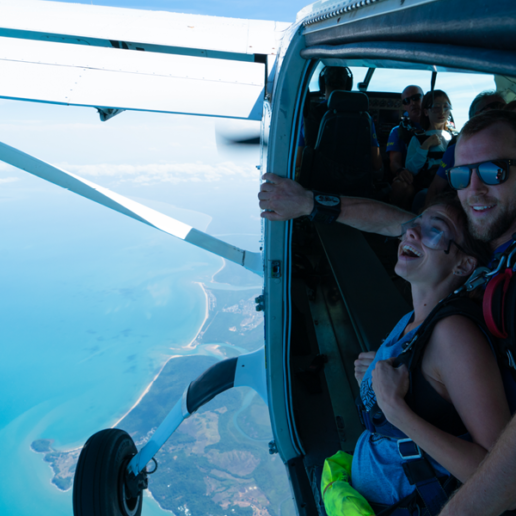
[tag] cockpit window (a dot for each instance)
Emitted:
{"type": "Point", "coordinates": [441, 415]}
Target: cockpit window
{"type": "Point", "coordinates": [462, 88]}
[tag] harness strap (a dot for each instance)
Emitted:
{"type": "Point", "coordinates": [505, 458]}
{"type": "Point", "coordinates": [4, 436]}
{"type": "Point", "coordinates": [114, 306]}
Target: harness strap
{"type": "Point", "coordinates": [420, 473]}
{"type": "Point", "coordinates": [487, 304]}
{"type": "Point", "coordinates": [417, 468]}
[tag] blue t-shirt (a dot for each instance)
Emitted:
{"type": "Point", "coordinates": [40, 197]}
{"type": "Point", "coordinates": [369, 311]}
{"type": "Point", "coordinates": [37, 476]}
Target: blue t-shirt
{"type": "Point", "coordinates": [301, 142]}
{"type": "Point", "coordinates": [377, 471]}
{"type": "Point", "coordinates": [447, 162]}
{"type": "Point", "coordinates": [395, 143]}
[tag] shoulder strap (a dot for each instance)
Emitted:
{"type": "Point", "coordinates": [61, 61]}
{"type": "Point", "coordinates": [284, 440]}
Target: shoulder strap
{"type": "Point", "coordinates": [421, 137]}
{"type": "Point", "coordinates": [406, 130]}
{"type": "Point", "coordinates": [452, 305]}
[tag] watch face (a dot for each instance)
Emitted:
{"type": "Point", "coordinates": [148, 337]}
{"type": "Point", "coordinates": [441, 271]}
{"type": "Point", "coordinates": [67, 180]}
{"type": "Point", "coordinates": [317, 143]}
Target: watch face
{"type": "Point", "coordinates": [327, 200]}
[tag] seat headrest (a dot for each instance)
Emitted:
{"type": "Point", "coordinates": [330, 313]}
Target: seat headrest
{"type": "Point", "coordinates": [341, 100]}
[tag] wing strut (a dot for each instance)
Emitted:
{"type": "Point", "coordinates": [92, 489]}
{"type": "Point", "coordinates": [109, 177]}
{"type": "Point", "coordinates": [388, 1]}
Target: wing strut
{"type": "Point", "coordinates": [16, 158]}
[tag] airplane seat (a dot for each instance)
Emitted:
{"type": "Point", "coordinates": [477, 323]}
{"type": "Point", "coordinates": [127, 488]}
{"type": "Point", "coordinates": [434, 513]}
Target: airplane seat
{"type": "Point", "coordinates": [340, 162]}
{"type": "Point", "coordinates": [386, 111]}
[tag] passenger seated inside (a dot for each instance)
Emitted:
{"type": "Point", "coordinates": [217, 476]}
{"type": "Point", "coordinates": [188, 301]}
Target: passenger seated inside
{"type": "Point", "coordinates": [331, 78]}
{"type": "Point", "coordinates": [400, 136]}
{"type": "Point", "coordinates": [484, 101]}
{"type": "Point", "coordinates": [425, 151]}
{"type": "Point", "coordinates": [449, 413]}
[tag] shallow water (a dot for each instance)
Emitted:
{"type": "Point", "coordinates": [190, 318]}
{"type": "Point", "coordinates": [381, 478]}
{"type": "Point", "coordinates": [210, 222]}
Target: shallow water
{"type": "Point", "coordinates": [91, 304]}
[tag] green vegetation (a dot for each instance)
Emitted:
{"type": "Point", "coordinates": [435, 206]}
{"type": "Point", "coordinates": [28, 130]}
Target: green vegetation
{"type": "Point", "coordinates": [207, 465]}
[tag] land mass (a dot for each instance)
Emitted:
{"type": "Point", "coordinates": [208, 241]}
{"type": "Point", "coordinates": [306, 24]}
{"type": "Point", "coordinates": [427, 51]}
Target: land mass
{"type": "Point", "coordinates": [217, 462]}
{"type": "Point", "coordinates": [62, 463]}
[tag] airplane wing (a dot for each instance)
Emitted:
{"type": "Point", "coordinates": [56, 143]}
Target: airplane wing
{"type": "Point", "coordinates": [113, 58]}
{"type": "Point", "coordinates": [249, 260]}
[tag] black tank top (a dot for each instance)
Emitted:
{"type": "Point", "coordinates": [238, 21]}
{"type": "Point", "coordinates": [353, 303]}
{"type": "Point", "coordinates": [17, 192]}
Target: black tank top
{"type": "Point", "coordinates": [427, 403]}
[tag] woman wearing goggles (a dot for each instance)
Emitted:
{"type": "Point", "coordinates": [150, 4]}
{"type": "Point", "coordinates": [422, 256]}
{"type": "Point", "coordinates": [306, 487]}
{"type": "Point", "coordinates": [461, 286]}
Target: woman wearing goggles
{"type": "Point", "coordinates": [434, 231]}
{"type": "Point", "coordinates": [456, 389]}
{"type": "Point", "coordinates": [491, 173]}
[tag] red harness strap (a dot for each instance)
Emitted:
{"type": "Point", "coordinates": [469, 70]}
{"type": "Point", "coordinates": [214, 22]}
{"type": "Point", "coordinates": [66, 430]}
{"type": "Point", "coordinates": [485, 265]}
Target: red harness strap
{"type": "Point", "coordinates": [487, 305]}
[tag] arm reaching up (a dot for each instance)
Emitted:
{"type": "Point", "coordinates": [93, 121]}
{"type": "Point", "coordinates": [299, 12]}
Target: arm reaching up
{"type": "Point", "coordinates": [285, 199]}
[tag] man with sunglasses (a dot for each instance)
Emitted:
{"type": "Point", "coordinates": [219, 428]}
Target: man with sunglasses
{"type": "Point", "coordinates": [485, 178]}
{"type": "Point", "coordinates": [400, 136]}
{"type": "Point", "coordinates": [483, 102]}
{"type": "Point", "coordinates": [483, 175]}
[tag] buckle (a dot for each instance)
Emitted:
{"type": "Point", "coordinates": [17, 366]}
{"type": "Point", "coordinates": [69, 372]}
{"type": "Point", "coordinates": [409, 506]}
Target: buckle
{"type": "Point", "coordinates": [408, 449]}
{"type": "Point", "coordinates": [478, 278]}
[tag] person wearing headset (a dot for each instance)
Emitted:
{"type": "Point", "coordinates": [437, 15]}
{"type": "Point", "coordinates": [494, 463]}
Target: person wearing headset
{"type": "Point", "coordinates": [331, 78]}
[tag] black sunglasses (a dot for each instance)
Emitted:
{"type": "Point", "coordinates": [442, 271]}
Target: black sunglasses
{"type": "Point", "coordinates": [491, 173]}
{"type": "Point", "coordinates": [413, 98]}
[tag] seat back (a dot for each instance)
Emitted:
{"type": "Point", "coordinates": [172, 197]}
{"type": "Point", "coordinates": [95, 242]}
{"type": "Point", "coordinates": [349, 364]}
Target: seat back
{"type": "Point", "coordinates": [340, 162]}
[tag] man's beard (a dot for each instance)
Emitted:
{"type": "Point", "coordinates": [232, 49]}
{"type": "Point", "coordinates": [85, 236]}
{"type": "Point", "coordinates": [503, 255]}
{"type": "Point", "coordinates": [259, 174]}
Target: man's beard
{"type": "Point", "coordinates": [492, 230]}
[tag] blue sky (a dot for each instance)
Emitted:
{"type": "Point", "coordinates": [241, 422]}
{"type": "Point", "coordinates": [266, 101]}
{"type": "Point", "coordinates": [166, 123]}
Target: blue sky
{"type": "Point", "coordinates": [284, 11]}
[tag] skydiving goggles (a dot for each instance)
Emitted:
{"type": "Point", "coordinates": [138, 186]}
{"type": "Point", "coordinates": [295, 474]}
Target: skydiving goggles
{"type": "Point", "coordinates": [413, 98]}
{"type": "Point", "coordinates": [433, 230]}
{"type": "Point", "coordinates": [491, 173]}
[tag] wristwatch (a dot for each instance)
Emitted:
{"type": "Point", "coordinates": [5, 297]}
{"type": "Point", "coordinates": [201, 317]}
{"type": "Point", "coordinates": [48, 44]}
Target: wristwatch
{"type": "Point", "coordinates": [326, 208]}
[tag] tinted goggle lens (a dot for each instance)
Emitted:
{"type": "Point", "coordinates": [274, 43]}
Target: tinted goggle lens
{"type": "Point", "coordinates": [490, 172]}
{"type": "Point", "coordinates": [431, 236]}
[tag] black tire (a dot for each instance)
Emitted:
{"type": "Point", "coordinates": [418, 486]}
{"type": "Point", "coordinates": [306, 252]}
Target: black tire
{"type": "Point", "coordinates": [98, 488]}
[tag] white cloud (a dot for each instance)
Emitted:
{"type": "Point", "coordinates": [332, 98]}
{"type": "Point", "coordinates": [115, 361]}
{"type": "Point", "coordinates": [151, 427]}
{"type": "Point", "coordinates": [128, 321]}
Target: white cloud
{"type": "Point", "coordinates": [4, 167]}
{"type": "Point", "coordinates": [155, 173]}
{"type": "Point", "coordinates": [4, 180]}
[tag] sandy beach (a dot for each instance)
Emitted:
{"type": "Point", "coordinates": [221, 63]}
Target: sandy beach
{"type": "Point", "coordinates": [188, 346]}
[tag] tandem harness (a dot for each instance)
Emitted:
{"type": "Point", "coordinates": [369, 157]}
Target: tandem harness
{"type": "Point", "coordinates": [431, 492]}
{"type": "Point", "coordinates": [496, 317]}
{"type": "Point", "coordinates": [499, 310]}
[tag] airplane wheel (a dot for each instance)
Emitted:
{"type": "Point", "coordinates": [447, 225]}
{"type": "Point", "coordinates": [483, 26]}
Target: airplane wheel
{"type": "Point", "coordinates": [99, 487]}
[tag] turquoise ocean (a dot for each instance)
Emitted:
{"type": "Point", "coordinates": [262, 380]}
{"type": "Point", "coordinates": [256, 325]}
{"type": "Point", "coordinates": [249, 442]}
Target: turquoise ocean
{"type": "Point", "coordinates": [91, 304]}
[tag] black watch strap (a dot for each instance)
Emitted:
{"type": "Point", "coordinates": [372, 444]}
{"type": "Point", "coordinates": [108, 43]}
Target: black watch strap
{"type": "Point", "coordinates": [326, 208]}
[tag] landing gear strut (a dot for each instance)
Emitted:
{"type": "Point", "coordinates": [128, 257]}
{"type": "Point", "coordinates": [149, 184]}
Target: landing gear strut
{"type": "Point", "coordinates": [111, 475]}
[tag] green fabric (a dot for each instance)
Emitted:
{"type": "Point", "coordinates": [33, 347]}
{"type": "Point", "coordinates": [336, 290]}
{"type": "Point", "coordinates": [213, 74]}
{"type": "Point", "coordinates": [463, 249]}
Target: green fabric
{"type": "Point", "coordinates": [340, 499]}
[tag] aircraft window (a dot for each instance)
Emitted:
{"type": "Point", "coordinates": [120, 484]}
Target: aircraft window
{"type": "Point", "coordinates": [314, 81]}
{"type": "Point", "coordinates": [359, 74]}
{"type": "Point", "coordinates": [462, 88]}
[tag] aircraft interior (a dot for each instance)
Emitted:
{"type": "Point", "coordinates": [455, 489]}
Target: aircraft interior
{"type": "Point", "coordinates": [340, 277]}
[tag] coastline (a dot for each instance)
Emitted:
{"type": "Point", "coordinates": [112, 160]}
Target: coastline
{"type": "Point", "coordinates": [224, 312]}
{"type": "Point", "coordinates": [206, 315]}
{"type": "Point", "coordinates": [138, 401]}
{"type": "Point", "coordinates": [187, 346]}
